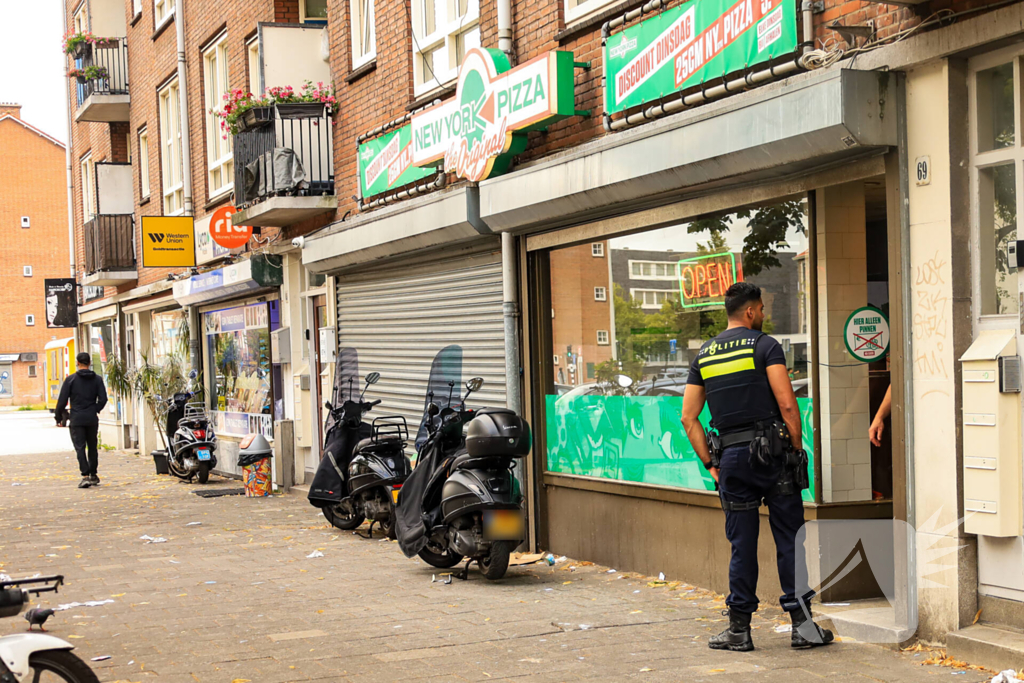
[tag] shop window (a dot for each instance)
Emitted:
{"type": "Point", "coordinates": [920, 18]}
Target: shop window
{"type": "Point", "coordinates": [169, 334]}
{"type": "Point", "coordinates": [995, 108]}
{"type": "Point", "coordinates": [597, 249]}
{"type": "Point", "coordinates": [239, 369]}
{"type": "Point", "coordinates": [102, 348]}
{"type": "Point", "coordinates": [600, 294]}
{"type": "Point", "coordinates": [998, 202]}
{"type": "Point", "coordinates": [652, 333]}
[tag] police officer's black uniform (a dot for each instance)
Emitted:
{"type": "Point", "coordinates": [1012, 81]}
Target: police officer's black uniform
{"type": "Point", "coordinates": [732, 368]}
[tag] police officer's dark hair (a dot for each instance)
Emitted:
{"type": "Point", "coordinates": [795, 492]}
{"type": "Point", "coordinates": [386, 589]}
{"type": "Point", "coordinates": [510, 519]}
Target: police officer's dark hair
{"type": "Point", "coordinates": [739, 296]}
{"type": "Point", "coordinates": [84, 359]}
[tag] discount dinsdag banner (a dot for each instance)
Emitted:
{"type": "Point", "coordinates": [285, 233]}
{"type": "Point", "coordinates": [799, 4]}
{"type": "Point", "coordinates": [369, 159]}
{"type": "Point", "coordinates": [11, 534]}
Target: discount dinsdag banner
{"type": "Point", "coordinates": [698, 41]}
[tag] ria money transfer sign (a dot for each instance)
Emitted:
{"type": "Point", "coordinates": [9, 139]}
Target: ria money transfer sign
{"type": "Point", "coordinates": [476, 134]}
{"type": "Point", "coordinates": [695, 42]}
{"type": "Point", "coordinates": [386, 162]}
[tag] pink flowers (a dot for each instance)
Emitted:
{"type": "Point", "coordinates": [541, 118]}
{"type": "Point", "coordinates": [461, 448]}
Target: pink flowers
{"type": "Point", "coordinates": [72, 40]}
{"type": "Point", "coordinates": [238, 101]}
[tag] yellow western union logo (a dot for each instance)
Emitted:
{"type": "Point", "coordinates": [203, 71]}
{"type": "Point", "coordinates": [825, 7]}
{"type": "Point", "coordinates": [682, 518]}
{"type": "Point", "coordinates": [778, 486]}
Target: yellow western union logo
{"type": "Point", "coordinates": [727, 368]}
{"type": "Point", "coordinates": [720, 356]}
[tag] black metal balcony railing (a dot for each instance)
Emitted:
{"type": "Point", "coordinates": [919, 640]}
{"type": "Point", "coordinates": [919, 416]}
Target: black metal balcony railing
{"type": "Point", "coordinates": [109, 243]}
{"type": "Point", "coordinates": [112, 56]}
{"type": "Point", "coordinates": [290, 155]}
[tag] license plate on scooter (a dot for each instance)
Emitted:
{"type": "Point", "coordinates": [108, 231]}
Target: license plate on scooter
{"type": "Point", "coordinates": [504, 525]}
{"type": "Point", "coordinates": [203, 453]}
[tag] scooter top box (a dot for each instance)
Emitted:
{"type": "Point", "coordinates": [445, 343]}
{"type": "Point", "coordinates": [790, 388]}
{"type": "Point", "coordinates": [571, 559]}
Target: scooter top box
{"type": "Point", "coordinates": [498, 432]}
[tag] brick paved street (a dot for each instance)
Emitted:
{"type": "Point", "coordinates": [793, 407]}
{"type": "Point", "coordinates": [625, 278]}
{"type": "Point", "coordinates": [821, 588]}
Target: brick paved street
{"type": "Point", "coordinates": [235, 598]}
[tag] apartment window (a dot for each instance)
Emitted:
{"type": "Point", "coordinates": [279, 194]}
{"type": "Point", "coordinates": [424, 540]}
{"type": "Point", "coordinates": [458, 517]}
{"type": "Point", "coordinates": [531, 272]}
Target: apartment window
{"type": "Point", "coordinates": [652, 298]}
{"type": "Point", "coordinates": [364, 32]}
{"type": "Point", "coordinates": [602, 337]}
{"type": "Point", "coordinates": [136, 7]}
{"type": "Point", "coordinates": [577, 9]}
{"type": "Point", "coordinates": [600, 294]}
{"type": "Point", "coordinates": [162, 11]}
{"type": "Point", "coordinates": [26, 271]}
{"type": "Point", "coordinates": [313, 10]}
{"type": "Point", "coordinates": [253, 53]}
{"type": "Point", "coordinates": [80, 21]}
{"type": "Point", "coordinates": [88, 173]}
{"type": "Point", "coordinates": [556, 360]}
{"type": "Point", "coordinates": [170, 150]}
{"type": "Point", "coordinates": [32, 370]}
{"type": "Point", "coordinates": [443, 32]}
{"type": "Point", "coordinates": [220, 168]}
{"type": "Point", "coordinates": [30, 320]}
{"type": "Point", "coordinates": [997, 164]}
{"type": "Point", "coordinates": [26, 222]}
{"type": "Point", "coordinates": [144, 162]}
{"type": "Point", "coordinates": [597, 249]}
{"type": "Point", "coordinates": [653, 270]}
{"type": "Point", "coordinates": [128, 145]}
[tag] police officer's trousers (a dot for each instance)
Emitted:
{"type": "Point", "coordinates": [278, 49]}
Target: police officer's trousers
{"type": "Point", "coordinates": [740, 483]}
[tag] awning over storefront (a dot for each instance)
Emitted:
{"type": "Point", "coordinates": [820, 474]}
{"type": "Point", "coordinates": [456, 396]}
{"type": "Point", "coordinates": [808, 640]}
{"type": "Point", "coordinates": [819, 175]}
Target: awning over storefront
{"type": "Point", "coordinates": [9, 357]}
{"type": "Point", "coordinates": [435, 220]}
{"type": "Point", "coordinates": [262, 270]}
{"type": "Point", "coordinates": [804, 122]}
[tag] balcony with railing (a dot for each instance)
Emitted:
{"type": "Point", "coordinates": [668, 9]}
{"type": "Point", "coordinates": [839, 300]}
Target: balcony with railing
{"type": "Point", "coordinates": [110, 233]}
{"type": "Point", "coordinates": [102, 73]}
{"type": "Point", "coordinates": [284, 165]}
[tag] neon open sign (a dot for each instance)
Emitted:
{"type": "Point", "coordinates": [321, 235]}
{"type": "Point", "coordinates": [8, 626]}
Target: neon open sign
{"type": "Point", "coordinates": [704, 279]}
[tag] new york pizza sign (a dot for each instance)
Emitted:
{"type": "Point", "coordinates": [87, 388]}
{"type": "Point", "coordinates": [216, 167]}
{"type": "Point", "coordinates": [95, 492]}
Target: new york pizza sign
{"type": "Point", "coordinates": [695, 42]}
{"type": "Point", "coordinates": [475, 134]}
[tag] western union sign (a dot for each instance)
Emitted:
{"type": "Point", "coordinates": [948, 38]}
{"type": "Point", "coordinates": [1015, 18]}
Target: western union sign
{"type": "Point", "coordinates": [168, 242]}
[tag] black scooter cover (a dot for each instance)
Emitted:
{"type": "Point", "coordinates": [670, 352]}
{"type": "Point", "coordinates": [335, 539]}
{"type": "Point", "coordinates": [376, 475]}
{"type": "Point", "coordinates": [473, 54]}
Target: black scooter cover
{"type": "Point", "coordinates": [328, 487]}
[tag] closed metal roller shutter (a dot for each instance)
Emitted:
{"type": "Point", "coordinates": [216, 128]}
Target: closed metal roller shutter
{"type": "Point", "coordinates": [399, 321]}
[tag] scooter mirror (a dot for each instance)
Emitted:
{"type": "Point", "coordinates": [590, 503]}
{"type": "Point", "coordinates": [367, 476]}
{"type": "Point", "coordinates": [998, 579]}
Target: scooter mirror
{"type": "Point", "coordinates": [475, 384]}
{"type": "Point", "coordinates": [328, 405]}
{"type": "Point", "coordinates": [192, 374]}
{"type": "Point", "coordinates": [624, 381]}
{"type": "Point", "coordinates": [432, 409]}
{"type": "Point", "coordinates": [373, 378]}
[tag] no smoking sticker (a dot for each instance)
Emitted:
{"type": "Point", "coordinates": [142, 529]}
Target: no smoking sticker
{"type": "Point", "coordinates": [867, 334]}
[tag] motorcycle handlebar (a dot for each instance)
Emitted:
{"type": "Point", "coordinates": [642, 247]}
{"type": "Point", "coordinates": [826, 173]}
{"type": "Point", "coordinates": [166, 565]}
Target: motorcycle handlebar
{"type": "Point", "coordinates": [374, 403]}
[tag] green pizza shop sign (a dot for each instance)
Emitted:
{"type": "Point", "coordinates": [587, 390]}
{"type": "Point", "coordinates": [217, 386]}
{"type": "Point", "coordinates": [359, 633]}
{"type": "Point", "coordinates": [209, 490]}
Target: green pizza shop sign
{"type": "Point", "coordinates": [475, 134]}
{"type": "Point", "coordinates": [692, 43]}
{"type": "Point", "coordinates": [386, 163]}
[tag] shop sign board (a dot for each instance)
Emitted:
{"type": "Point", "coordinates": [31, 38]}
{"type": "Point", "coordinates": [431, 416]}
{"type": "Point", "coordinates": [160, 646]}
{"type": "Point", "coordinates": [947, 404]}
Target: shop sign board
{"type": "Point", "coordinates": [225, 233]}
{"type": "Point", "coordinates": [867, 334]}
{"type": "Point", "coordinates": [168, 242]}
{"type": "Point", "coordinates": [385, 163]}
{"type": "Point", "coordinates": [61, 302]}
{"type": "Point", "coordinates": [704, 279]}
{"type": "Point", "coordinates": [475, 134]}
{"type": "Point", "coordinates": [695, 42]}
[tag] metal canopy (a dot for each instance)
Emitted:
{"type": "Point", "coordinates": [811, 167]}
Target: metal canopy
{"type": "Point", "coordinates": [777, 130]}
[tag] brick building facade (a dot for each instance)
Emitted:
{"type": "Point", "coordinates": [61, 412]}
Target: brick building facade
{"type": "Point", "coordinates": [33, 214]}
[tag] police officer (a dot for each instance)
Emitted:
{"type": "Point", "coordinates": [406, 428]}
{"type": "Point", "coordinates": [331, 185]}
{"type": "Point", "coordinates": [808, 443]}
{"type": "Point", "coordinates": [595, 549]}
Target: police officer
{"type": "Point", "coordinates": [742, 375]}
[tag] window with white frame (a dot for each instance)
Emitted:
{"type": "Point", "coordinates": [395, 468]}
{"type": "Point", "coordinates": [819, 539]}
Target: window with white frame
{"type": "Point", "coordinates": [136, 7]}
{"type": "Point", "coordinates": [312, 10]}
{"type": "Point", "coordinates": [220, 167]}
{"type": "Point", "coordinates": [997, 167]}
{"type": "Point", "coordinates": [600, 294]}
{"type": "Point", "coordinates": [602, 337]}
{"type": "Point", "coordinates": [443, 32]}
{"type": "Point", "coordinates": [253, 54]}
{"type": "Point", "coordinates": [653, 298]}
{"type": "Point", "coordinates": [80, 20]}
{"type": "Point", "coordinates": [364, 32]}
{"type": "Point", "coordinates": [26, 271]}
{"type": "Point", "coordinates": [577, 9]}
{"type": "Point", "coordinates": [30, 320]}
{"type": "Point", "coordinates": [88, 174]}
{"type": "Point", "coordinates": [144, 162]}
{"type": "Point", "coordinates": [653, 270]}
{"type": "Point", "coordinates": [32, 371]}
{"type": "Point", "coordinates": [170, 150]}
{"type": "Point", "coordinates": [162, 11]}
{"type": "Point", "coordinates": [597, 249]}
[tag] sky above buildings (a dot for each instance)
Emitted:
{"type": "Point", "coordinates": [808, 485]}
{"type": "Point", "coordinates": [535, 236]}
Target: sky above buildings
{"type": "Point", "coordinates": [32, 64]}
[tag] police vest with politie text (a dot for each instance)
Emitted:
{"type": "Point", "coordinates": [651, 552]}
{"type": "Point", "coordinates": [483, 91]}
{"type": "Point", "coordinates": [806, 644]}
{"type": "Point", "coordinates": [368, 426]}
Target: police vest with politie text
{"type": "Point", "coordinates": [736, 382]}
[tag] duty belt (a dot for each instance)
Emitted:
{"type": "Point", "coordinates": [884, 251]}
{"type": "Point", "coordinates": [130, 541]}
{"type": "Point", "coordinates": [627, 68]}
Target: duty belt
{"type": "Point", "coordinates": [736, 438]}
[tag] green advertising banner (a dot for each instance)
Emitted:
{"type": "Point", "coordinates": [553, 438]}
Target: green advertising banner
{"type": "Point", "coordinates": [637, 438]}
{"type": "Point", "coordinates": [386, 163]}
{"type": "Point", "coordinates": [695, 42]}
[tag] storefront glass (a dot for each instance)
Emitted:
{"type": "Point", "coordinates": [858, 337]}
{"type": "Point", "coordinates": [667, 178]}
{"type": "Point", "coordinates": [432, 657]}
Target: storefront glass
{"type": "Point", "coordinates": [641, 306]}
{"type": "Point", "coordinates": [239, 369]}
{"type": "Point", "coordinates": [103, 349]}
{"type": "Point", "coordinates": [166, 330]}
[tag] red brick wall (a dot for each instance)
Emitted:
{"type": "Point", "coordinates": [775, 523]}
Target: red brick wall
{"type": "Point", "coordinates": [32, 183]}
{"type": "Point", "coordinates": [575, 272]}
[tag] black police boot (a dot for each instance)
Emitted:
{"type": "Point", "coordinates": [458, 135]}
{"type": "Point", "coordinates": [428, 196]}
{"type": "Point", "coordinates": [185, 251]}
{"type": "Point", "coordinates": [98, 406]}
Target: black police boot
{"type": "Point", "coordinates": [736, 637]}
{"type": "Point", "coordinates": [806, 633]}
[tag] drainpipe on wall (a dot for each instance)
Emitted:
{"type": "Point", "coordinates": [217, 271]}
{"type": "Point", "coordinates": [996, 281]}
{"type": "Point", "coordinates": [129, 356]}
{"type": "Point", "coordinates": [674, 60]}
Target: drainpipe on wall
{"type": "Point", "coordinates": [807, 9]}
{"type": "Point", "coordinates": [510, 307]}
{"type": "Point", "coordinates": [505, 27]}
{"type": "Point", "coordinates": [186, 140]}
{"type": "Point", "coordinates": [71, 187]}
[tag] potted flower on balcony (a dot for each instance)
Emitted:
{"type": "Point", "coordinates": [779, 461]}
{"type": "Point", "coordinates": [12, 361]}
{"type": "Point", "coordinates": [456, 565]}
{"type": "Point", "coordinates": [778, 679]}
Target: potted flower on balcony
{"type": "Point", "coordinates": [107, 43]}
{"type": "Point", "coordinates": [309, 103]}
{"type": "Point", "coordinates": [77, 44]}
{"type": "Point", "coordinates": [243, 111]}
{"type": "Point", "coordinates": [89, 73]}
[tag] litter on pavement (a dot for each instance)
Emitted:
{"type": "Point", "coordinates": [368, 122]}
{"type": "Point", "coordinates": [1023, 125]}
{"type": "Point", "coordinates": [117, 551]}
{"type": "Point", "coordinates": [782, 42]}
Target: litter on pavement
{"type": "Point", "coordinates": [91, 603]}
{"type": "Point", "coordinates": [315, 553]}
{"type": "Point", "coordinates": [149, 539]}
{"type": "Point", "coordinates": [101, 658]}
{"type": "Point", "coordinates": [1008, 676]}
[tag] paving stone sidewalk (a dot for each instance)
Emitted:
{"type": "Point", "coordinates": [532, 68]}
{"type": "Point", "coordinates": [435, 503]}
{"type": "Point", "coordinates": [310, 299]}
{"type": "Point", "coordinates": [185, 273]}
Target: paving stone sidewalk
{"type": "Point", "coordinates": [231, 596]}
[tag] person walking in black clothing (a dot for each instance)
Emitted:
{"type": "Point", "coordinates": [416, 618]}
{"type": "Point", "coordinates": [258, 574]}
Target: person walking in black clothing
{"type": "Point", "coordinates": [87, 395]}
{"type": "Point", "coordinates": [757, 455]}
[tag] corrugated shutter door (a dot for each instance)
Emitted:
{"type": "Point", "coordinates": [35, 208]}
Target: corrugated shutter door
{"type": "Point", "coordinates": [400, 321]}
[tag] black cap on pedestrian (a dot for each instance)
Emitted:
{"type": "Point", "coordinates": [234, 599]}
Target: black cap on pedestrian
{"type": "Point", "coordinates": [84, 359]}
